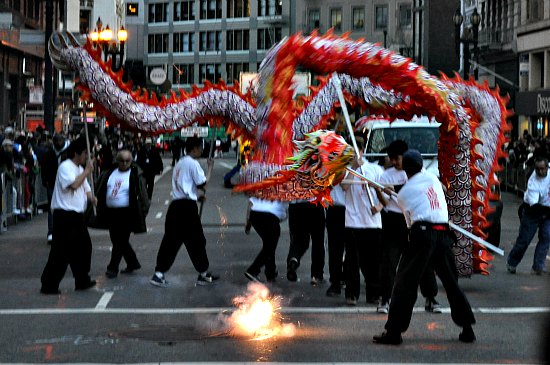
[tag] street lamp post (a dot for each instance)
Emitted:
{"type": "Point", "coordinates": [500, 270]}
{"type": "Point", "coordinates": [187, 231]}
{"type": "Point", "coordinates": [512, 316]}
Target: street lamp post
{"type": "Point", "coordinates": [469, 36]}
{"type": "Point", "coordinates": [104, 38]}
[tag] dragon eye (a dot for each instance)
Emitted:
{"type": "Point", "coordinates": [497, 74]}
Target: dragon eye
{"type": "Point", "coordinates": [332, 156]}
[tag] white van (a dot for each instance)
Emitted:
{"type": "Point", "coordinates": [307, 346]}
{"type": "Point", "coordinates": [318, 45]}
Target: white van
{"type": "Point", "coordinates": [420, 134]}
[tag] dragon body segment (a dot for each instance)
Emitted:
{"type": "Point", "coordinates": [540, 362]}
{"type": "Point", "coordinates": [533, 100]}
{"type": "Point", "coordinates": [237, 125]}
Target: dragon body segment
{"type": "Point", "coordinates": [295, 157]}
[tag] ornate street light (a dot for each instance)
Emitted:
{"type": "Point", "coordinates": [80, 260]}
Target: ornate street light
{"type": "Point", "coordinates": [104, 38]}
{"type": "Point", "coordinates": [469, 36]}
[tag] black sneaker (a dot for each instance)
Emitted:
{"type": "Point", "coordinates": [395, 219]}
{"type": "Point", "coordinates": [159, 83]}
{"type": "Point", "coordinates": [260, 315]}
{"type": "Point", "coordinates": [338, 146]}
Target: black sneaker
{"type": "Point", "coordinates": [111, 274]}
{"type": "Point", "coordinates": [388, 338]}
{"type": "Point", "coordinates": [432, 306]}
{"type": "Point", "coordinates": [252, 277]}
{"type": "Point", "coordinates": [49, 291]}
{"type": "Point", "coordinates": [130, 269]}
{"type": "Point", "coordinates": [158, 279]}
{"type": "Point", "coordinates": [467, 334]}
{"type": "Point", "coordinates": [291, 270]}
{"type": "Point", "coordinates": [207, 279]}
{"type": "Point", "coordinates": [88, 285]}
{"type": "Point", "coordinates": [334, 291]}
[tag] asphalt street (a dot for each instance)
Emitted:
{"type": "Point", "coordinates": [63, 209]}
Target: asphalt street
{"type": "Point", "coordinates": [127, 320]}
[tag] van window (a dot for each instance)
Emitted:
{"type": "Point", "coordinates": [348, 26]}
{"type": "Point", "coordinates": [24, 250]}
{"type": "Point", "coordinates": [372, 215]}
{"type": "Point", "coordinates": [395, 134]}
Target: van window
{"type": "Point", "coordinates": [421, 139]}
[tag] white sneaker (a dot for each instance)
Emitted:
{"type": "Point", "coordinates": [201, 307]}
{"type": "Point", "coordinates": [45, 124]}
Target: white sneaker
{"type": "Point", "coordinates": [383, 308]}
{"type": "Point", "coordinates": [50, 238]}
{"type": "Point", "coordinates": [158, 279]}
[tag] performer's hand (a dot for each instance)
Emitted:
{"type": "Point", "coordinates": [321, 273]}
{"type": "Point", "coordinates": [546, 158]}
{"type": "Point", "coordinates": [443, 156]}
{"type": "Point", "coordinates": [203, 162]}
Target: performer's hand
{"type": "Point", "coordinates": [94, 201]}
{"type": "Point", "coordinates": [201, 198]}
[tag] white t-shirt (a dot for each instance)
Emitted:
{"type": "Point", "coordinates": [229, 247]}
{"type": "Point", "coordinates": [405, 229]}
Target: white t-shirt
{"type": "Point", "coordinates": [422, 199]}
{"type": "Point", "coordinates": [538, 190]}
{"type": "Point", "coordinates": [394, 177]}
{"type": "Point", "coordinates": [276, 208]}
{"type": "Point", "coordinates": [187, 175]}
{"type": "Point", "coordinates": [65, 198]}
{"type": "Point", "coordinates": [358, 207]}
{"type": "Point", "coordinates": [118, 189]}
{"type": "Point", "coordinates": [338, 196]}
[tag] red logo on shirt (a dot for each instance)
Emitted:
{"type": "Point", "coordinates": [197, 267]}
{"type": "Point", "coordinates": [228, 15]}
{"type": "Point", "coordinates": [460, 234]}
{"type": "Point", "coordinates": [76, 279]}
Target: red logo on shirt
{"type": "Point", "coordinates": [432, 197]}
{"type": "Point", "coordinates": [116, 188]}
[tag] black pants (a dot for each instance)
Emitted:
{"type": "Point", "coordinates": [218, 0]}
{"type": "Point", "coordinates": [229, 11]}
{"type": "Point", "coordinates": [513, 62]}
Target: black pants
{"type": "Point", "coordinates": [182, 225]}
{"type": "Point", "coordinates": [120, 228]}
{"type": "Point", "coordinates": [336, 230]}
{"type": "Point", "coordinates": [363, 253]}
{"type": "Point", "coordinates": [150, 184]}
{"type": "Point", "coordinates": [396, 237]}
{"type": "Point", "coordinates": [71, 246]}
{"type": "Point", "coordinates": [268, 227]}
{"type": "Point", "coordinates": [426, 247]}
{"type": "Point", "coordinates": [305, 221]}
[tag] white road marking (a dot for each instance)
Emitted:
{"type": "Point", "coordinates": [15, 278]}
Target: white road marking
{"type": "Point", "coordinates": [166, 202]}
{"type": "Point", "coordinates": [216, 310]}
{"type": "Point", "coordinates": [166, 169]}
{"type": "Point", "coordinates": [104, 301]}
{"type": "Point", "coordinates": [159, 214]}
{"type": "Point", "coordinates": [226, 165]}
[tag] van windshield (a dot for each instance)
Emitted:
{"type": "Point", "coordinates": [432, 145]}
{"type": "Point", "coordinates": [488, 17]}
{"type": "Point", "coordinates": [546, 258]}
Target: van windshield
{"type": "Point", "coordinates": [423, 139]}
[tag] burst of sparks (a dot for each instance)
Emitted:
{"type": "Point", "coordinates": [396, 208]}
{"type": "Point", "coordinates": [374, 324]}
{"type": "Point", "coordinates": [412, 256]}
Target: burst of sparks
{"type": "Point", "coordinates": [257, 315]}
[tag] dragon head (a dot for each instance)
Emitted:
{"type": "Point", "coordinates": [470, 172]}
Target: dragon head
{"type": "Point", "coordinates": [324, 155]}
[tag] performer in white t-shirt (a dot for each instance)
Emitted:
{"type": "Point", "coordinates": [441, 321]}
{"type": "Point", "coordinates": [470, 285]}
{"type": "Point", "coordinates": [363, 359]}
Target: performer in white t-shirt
{"type": "Point", "coordinates": [183, 223]}
{"type": "Point", "coordinates": [71, 243]}
{"type": "Point", "coordinates": [430, 241]}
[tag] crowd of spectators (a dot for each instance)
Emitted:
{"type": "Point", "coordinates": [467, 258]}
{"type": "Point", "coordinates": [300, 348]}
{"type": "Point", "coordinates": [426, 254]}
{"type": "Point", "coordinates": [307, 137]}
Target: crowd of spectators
{"type": "Point", "coordinates": [523, 151]}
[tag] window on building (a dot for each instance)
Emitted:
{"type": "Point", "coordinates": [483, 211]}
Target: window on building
{"type": "Point", "coordinates": [184, 42]}
{"type": "Point", "coordinates": [314, 19]}
{"type": "Point", "coordinates": [270, 7]}
{"type": "Point", "coordinates": [234, 71]}
{"type": "Point", "coordinates": [405, 15]}
{"type": "Point", "coordinates": [211, 9]}
{"type": "Point", "coordinates": [210, 71]}
{"type": "Point", "coordinates": [381, 13]}
{"type": "Point", "coordinates": [238, 40]}
{"type": "Point", "coordinates": [238, 8]}
{"type": "Point", "coordinates": [184, 11]}
{"type": "Point", "coordinates": [535, 10]}
{"type": "Point", "coordinates": [184, 74]}
{"type": "Point", "coordinates": [358, 18]}
{"type": "Point", "coordinates": [158, 43]}
{"type": "Point", "coordinates": [32, 9]}
{"type": "Point", "coordinates": [211, 41]}
{"type": "Point", "coordinates": [85, 21]}
{"type": "Point", "coordinates": [268, 37]}
{"type": "Point", "coordinates": [158, 13]}
{"type": "Point", "coordinates": [336, 19]}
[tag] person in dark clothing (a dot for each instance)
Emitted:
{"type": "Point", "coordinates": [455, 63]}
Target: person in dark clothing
{"type": "Point", "coordinates": [177, 146]}
{"type": "Point", "coordinates": [148, 158]}
{"type": "Point", "coordinates": [52, 158]}
{"type": "Point", "coordinates": [122, 207]}
{"type": "Point", "coordinates": [71, 243]}
{"type": "Point", "coordinates": [430, 241]}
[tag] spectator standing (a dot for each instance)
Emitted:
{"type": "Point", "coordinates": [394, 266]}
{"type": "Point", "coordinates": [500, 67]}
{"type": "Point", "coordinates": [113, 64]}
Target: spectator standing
{"type": "Point", "coordinates": [148, 158]}
{"type": "Point", "coordinates": [71, 243]}
{"type": "Point", "coordinates": [122, 207]}
{"type": "Point", "coordinates": [423, 202]}
{"type": "Point", "coordinates": [536, 215]}
{"type": "Point", "coordinates": [265, 216]}
{"type": "Point", "coordinates": [54, 155]}
{"type": "Point", "coordinates": [177, 146]}
{"type": "Point", "coordinates": [188, 179]}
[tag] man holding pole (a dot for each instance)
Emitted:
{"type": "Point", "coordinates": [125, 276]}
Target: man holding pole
{"type": "Point", "coordinates": [183, 223]}
{"type": "Point", "coordinates": [423, 202]}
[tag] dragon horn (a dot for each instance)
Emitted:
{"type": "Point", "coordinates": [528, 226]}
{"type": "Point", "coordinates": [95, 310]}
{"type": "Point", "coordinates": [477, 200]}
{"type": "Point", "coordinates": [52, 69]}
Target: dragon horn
{"type": "Point", "coordinates": [73, 40]}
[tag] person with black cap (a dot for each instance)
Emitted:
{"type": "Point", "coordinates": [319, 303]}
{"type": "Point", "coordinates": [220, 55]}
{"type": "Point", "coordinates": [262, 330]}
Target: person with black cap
{"type": "Point", "coordinates": [396, 233]}
{"type": "Point", "coordinates": [422, 200]}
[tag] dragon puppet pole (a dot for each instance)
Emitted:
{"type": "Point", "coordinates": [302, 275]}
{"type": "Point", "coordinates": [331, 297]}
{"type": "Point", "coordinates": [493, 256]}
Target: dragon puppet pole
{"type": "Point", "coordinates": [338, 86]}
{"type": "Point", "coordinates": [454, 226]}
{"type": "Point", "coordinates": [210, 155]}
{"type": "Point", "coordinates": [89, 152]}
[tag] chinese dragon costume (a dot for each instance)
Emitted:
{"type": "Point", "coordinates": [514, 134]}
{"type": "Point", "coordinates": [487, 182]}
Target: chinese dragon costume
{"type": "Point", "coordinates": [295, 157]}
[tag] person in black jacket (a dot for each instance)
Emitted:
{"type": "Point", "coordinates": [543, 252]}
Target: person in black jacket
{"type": "Point", "coordinates": [123, 204]}
{"type": "Point", "coordinates": [148, 158]}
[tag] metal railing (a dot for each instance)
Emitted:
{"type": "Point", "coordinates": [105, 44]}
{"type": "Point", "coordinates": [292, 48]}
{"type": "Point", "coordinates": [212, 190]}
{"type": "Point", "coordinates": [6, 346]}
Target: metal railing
{"type": "Point", "coordinates": [514, 178]}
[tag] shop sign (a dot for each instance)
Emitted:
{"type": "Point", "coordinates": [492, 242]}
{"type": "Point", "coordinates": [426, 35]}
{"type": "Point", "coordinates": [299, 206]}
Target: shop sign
{"type": "Point", "coordinates": [543, 104]}
{"type": "Point", "coordinates": [533, 103]}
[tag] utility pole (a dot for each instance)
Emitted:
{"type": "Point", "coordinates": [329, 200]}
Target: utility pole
{"type": "Point", "coordinates": [48, 70]}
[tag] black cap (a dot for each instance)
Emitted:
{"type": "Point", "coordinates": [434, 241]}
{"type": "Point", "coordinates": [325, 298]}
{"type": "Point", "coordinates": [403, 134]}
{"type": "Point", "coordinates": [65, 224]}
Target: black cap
{"type": "Point", "coordinates": [412, 161]}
